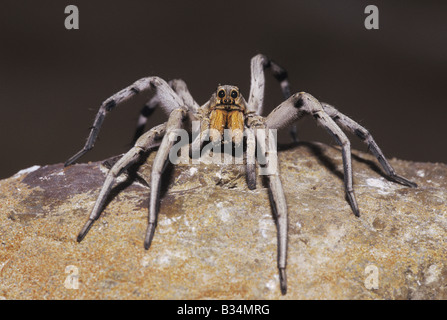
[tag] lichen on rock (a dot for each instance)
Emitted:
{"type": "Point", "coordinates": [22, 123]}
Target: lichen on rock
{"type": "Point", "coordinates": [217, 239]}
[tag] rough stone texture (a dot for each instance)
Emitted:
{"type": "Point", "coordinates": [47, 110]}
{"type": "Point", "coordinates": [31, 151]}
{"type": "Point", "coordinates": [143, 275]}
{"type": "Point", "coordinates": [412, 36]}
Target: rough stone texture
{"type": "Point", "coordinates": [217, 239]}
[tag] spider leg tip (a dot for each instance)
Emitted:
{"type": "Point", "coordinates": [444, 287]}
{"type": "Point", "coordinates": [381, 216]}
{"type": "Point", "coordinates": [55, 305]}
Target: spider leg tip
{"type": "Point", "coordinates": [411, 184]}
{"type": "Point", "coordinates": [403, 181]}
{"type": "Point", "coordinates": [283, 280]}
{"type": "Point", "coordinates": [355, 210]}
{"type": "Point", "coordinates": [85, 230]}
{"type": "Point", "coordinates": [80, 236]}
{"type": "Point", "coordinates": [353, 202]}
{"type": "Point", "coordinates": [149, 235]}
{"type": "Point", "coordinates": [147, 245]}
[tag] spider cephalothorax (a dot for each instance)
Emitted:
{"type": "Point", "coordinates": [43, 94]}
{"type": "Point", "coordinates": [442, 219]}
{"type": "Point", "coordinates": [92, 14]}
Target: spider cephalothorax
{"type": "Point", "coordinates": [227, 110]}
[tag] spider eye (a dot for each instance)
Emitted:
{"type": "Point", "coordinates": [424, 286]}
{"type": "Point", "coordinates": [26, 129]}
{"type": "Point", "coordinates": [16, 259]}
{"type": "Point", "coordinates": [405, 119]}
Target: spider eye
{"type": "Point", "coordinates": [234, 94]}
{"type": "Point", "coordinates": [221, 94]}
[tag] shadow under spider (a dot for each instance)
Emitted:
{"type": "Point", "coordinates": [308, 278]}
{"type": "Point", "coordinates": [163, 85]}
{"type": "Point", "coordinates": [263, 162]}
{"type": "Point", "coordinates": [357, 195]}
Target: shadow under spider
{"type": "Point", "coordinates": [132, 176]}
{"type": "Point", "coordinates": [318, 152]}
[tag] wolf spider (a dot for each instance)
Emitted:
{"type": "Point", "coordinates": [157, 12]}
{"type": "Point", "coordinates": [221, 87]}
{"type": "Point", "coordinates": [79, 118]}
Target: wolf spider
{"type": "Point", "coordinates": [227, 109]}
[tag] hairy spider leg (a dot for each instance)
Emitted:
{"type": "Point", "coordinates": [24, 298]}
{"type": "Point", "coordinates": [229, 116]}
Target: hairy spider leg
{"type": "Point", "coordinates": [201, 133]}
{"type": "Point", "coordinates": [301, 104]}
{"type": "Point", "coordinates": [259, 64]}
{"type": "Point", "coordinates": [169, 100]}
{"type": "Point", "coordinates": [147, 141]}
{"type": "Point", "coordinates": [174, 123]}
{"type": "Point", "coordinates": [179, 86]}
{"type": "Point", "coordinates": [276, 194]}
{"type": "Point", "coordinates": [352, 126]}
{"type": "Point", "coordinates": [147, 110]}
{"type": "Point", "coordinates": [250, 168]}
{"type": "Point", "coordinates": [280, 209]}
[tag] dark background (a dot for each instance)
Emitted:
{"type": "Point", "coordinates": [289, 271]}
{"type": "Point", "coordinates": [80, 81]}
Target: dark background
{"type": "Point", "coordinates": [52, 80]}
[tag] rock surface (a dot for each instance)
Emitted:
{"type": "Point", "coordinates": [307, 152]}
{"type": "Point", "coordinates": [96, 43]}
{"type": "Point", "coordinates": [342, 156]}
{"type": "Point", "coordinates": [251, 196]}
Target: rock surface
{"type": "Point", "coordinates": [216, 239]}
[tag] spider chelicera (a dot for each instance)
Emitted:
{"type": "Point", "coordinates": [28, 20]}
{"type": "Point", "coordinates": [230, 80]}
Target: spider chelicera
{"type": "Point", "coordinates": [227, 109]}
